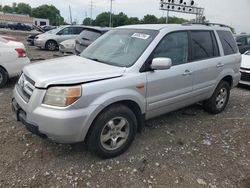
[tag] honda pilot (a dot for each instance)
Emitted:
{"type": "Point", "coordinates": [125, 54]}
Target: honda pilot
{"type": "Point", "coordinates": [127, 76]}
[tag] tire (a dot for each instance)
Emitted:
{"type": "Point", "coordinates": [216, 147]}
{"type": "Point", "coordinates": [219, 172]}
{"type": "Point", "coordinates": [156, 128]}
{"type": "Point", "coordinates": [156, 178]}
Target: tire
{"type": "Point", "coordinates": [3, 77]}
{"type": "Point", "coordinates": [218, 102]}
{"type": "Point", "coordinates": [112, 132]}
{"type": "Point", "coordinates": [51, 45]}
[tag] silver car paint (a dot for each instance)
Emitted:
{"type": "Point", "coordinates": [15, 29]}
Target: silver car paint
{"type": "Point", "coordinates": [164, 91]}
{"type": "Point", "coordinates": [43, 38]}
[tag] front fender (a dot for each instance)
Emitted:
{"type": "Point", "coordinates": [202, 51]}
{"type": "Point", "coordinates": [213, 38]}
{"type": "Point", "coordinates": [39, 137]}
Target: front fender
{"type": "Point", "coordinates": [120, 95]}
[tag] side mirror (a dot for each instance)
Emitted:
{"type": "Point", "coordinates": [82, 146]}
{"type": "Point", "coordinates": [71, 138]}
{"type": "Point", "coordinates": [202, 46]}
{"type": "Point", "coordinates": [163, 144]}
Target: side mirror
{"type": "Point", "coordinates": [239, 43]}
{"type": "Point", "coordinates": [161, 63]}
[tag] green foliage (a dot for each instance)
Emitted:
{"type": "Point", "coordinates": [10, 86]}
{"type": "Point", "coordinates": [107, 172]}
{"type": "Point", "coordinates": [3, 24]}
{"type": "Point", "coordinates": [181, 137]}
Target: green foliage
{"type": "Point", "coordinates": [150, 19]}
{"type": "Point", "coordinates": [23, 8]}
{"type": "Point", "coordinates": [119, 19]}
{"type": "Point", "coordinates": [132, 21]}
{"type": "Point", "coordinates": [44, 11]}
{"type": "Point", "coordinates": [7, 9]}
{"type": "Point", "coordinates": [102, 19]}
{"type": "Point", "coordinates": [48, 12]}
{"type": "Point", "coordinates": [87, 21]}
{"type": "Point", "coordinates": [122, 19]}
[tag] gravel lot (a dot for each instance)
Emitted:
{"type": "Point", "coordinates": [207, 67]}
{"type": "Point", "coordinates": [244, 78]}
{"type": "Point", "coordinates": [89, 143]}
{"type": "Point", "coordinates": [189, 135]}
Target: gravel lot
{"type": "Point", "coordinates": [187, 148]}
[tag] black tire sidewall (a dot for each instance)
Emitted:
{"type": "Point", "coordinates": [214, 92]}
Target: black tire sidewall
{"type": "Point", "coordinates": [5, 77]}
{"type": "Point", "coordinates": [47, 44]}
{"type": "Point", "coordinates": [211, 103]}
{"type": "Point", "coordinates": [94, 142]}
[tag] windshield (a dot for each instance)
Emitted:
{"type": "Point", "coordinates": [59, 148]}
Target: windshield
{"type": "Point", "coordinates": [120, 47]}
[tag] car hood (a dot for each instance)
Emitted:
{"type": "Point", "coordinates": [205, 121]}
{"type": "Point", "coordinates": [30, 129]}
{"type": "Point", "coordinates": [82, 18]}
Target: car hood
{"type": "Point", "coordinates": [245, 62]}
{"type": "Point", "coordinates": [70, 70]}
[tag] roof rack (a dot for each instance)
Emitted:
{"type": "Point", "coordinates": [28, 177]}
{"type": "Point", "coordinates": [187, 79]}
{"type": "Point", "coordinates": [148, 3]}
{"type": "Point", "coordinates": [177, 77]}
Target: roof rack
{"type": "Point", "coordinates": [207, 24]}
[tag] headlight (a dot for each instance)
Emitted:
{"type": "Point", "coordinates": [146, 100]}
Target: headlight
{"type": "Point", "coordinates": [62, 96]}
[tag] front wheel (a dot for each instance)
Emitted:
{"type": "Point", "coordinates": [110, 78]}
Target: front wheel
{"type": "Point", "coordinates": [112, 132]}
{"type": "Point", "coordinates": [51, 45]}
{"type": "Point", "coordinates": [218, 102]}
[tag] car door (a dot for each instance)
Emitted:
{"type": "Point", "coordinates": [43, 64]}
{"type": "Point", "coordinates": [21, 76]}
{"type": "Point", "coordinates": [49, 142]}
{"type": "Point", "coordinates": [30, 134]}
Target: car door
{"type": "Point", "coordinates": [170, 89]}
{"type": "Point", "coordinates": [65, 34]}
{"type": "Point", "coordinates": [207, 62]}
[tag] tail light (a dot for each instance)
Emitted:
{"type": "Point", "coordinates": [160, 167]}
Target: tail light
{"type": "Point", "coordinates": [21, 52]}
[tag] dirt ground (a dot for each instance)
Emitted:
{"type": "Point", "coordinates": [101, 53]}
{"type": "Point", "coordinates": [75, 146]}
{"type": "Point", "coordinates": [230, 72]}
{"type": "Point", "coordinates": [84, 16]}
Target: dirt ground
{"type": "Point", "coordinates": [185, 149]}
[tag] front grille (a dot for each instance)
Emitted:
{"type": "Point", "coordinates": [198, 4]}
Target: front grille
{"type": "Point", "coordinates": [245, 76]}
{"type": "Point", "coordinates": [25, 87]}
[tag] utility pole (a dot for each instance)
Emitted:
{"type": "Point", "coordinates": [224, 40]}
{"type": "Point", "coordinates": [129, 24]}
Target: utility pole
{"type": "Point", "coordinates": [111, 11]}
{"type": "Point", "coordinates": [167, 17]}
{"type": "Point", "coordinates": [70, 15]}
{"type": "Point", "coordinates": [91, 11]}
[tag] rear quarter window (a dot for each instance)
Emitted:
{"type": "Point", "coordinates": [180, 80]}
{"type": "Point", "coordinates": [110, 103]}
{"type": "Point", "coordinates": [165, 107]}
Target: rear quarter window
{"type": "Point", "coordinates": [228, 43]}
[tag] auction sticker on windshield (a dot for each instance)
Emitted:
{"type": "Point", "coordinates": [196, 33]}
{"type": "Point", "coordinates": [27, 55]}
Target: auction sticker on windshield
{"type": "Point", "coordinates": [140, 36]}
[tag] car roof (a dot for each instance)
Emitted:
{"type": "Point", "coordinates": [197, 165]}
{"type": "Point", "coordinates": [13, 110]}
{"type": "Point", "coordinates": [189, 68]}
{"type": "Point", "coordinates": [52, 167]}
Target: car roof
{"type": "Point", "coordinates": [175, 26]}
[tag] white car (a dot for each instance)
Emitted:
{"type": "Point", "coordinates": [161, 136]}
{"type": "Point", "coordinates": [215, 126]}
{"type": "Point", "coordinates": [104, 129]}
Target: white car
{"type": "Point", "coordinates": [12, 59]}
{"type": "Point", "coordinates": [67, 46]}
{"type": "Point", "coordinates": [245, 69]}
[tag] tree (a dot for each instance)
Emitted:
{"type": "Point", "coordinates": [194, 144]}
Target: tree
{"type": "Point", "coordinates": [87, 21]}
{"type": "Point", "coordinates": [48, 12]}
{"type": "Point", "coordinates": [23, 8]}
{"type": "Point", "coordinates": [150, 19]}
{"type": "Point", "coordinates": [7, 9]}
{"type": "Point", "coordinates": [132, 21]}
{"type": "Point", "coordinates": [102, 19]}
{"type": "Point", "coordinates": [119, 19]}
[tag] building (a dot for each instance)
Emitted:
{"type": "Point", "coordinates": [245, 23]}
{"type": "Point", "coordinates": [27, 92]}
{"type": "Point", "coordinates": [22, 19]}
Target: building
{"type": "Point", "coordinates": [20, 18]}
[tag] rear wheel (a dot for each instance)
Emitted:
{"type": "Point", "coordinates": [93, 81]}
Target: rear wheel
{"type": "Point", "coordinates": [112, 132]}
{"type": "Point", "coordinates": [51, 45]}
{"type": "Point", "coordinates": [3, 77]}
{"type": "Point", "coordinates": [218, 102]}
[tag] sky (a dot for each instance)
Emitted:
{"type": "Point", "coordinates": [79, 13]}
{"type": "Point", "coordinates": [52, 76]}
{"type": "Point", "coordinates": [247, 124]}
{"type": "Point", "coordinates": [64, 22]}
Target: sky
{"type": "Point", "coordinates": [233, 13]}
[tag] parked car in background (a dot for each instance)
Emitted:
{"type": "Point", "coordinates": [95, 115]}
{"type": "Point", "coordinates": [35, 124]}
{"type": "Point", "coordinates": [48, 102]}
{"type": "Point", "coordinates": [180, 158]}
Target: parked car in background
{"type": "Point", "coordinates": [20, 26]}
{"type": "Point", "coordinates": [67, 46]}
{"type": "Point", "coordinates": [243, 42]}
{"type": "Point", "coordinates": [51, 39]}
{"type": "Point", "coordinates": [88, 36]}
{"type": "Point", "coordinates": [3, 25]}
{"type": "Point", "coordinates": [31, 38]}
{"type": "Point", "coordinates": [12, 61]}
{"type": "Point", "coordinates": [129, 75]}
{"type": "Point", "coordinates": [245, 69]}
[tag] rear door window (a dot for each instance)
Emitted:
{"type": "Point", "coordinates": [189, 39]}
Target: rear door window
{"type": "Point", "coordinates": [204, 45]}
{"type": "Point", "coordinates": [228, 43]}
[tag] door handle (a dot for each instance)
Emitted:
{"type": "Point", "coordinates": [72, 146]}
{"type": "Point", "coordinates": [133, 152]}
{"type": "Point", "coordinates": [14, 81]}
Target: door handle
{"type": "Point", "coordinates": [219, 65]}
{"type": "Point", "coordinates": [187, 73]}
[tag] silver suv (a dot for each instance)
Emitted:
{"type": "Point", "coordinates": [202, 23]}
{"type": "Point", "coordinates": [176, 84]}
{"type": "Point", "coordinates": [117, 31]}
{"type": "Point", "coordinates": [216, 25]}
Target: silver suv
{"type": "Point", "coordinates": [128, 75]}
